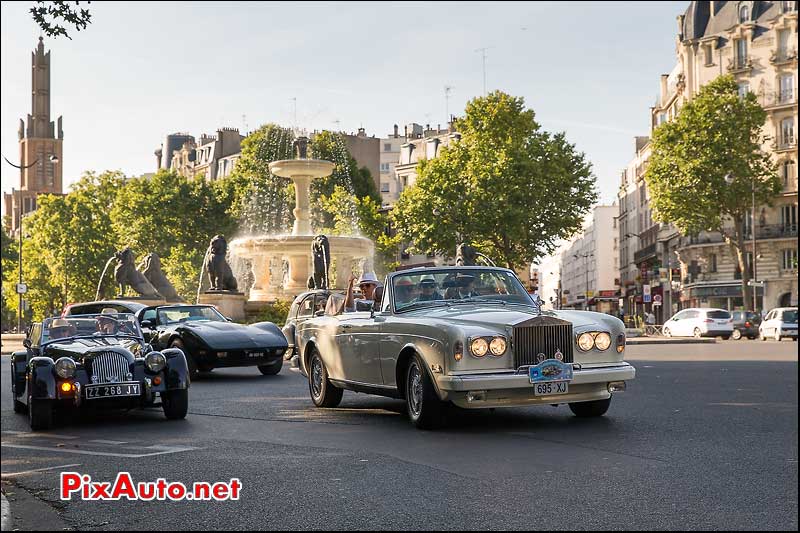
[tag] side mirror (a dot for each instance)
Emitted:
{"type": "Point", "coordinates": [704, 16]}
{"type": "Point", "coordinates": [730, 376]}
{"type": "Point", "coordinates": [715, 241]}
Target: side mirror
{"type": "Point", "coordinates": [27, 343]}
{"type": "Point", "coordinates": [319, 313]}
{"type": "Point", "coordinates": [149, 324]}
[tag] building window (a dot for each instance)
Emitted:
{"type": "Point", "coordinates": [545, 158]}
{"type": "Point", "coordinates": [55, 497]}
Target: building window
{"type": "Point", "coordinates": [789, 218]}
{"type": "Point", "coordinates": [709, 54]}
{"type": "Point", "coordinates": [786, 85]}
{"type": "Point", "coordinates": [744, 14]}
{"type": "Point", "coordinates": [744, 88]}
{"type": "Point", "coordinates": [788, 172]}
{"type": "Point", "coordinates": [384, 186]}
{"type": "Point", "coordinates": [787, 6]}
{"type": "Point", "coordinates": [741, 53]}
{"type": "Point", "coordinates": [787, 132]}
{"type": "Point", "coordinates": [387, 147]}
{"type": "Point", "coordinates": [789, 259]}
{"type": "Point", "coordinates": [384, 167]}
{"type": "Point", "coordinates": [712, 263]}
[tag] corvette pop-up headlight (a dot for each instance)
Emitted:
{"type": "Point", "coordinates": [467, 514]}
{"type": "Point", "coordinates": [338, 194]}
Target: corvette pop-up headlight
{"type": "Point", "coordinates": [586, 341]}
{"type": "Point", "coordinates": [155, 361]}
{"type": "Point", "coordinates": [65, 367]}
{"type": "Point", "coordinates": [497, 346]}
{"type": "Point", "coordinates": [602, 341]}
{"type": "Point", "coordinates": [479, 347]}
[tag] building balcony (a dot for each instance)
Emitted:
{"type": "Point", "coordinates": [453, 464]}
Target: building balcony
{"type": "Point", "coordinates": [775, 231]}
{"type": "Point", "coordinates": [777, 100]}
{"type": "Point", "coordinates": [787, 144]}
{"type": "Point", "coordinates": [740, 65]}
{"type": "Point", "coordinates": [783, 57]}
{"type": "Point", "coordinates": [648, 252]}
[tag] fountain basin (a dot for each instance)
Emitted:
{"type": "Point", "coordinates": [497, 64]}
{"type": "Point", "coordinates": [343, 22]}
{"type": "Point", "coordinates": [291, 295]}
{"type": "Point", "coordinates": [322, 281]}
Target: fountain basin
{"type": "Point", "coordinates": [346, 252]}
{"type": "Point", "coordinates": [312, 168]}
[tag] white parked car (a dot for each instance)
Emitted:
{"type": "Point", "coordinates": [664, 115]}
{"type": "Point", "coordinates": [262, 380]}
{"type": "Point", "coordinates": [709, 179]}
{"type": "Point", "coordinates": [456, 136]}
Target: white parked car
{"type": "Point", "coordinates": [779, 323]}
{"type": "Point", "coordinates": [700, 322]}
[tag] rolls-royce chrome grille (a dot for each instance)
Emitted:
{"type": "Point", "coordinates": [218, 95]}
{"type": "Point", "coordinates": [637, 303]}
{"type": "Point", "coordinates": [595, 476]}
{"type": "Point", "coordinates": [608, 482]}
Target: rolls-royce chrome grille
{"type": "Point", "coordinates": [542, 338]}
{"type": "Point", "coordinates": [109, 367]}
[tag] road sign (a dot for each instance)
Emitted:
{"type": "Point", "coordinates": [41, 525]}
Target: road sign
{"type": "Point", "coordinates": [657, 303]}
{"type": "Point", "coordinates": [22, 288]}
{"type": "Point", "coordinates": [657, 299]}
{"type": "Point", "coordinates": [752, 283]}
{"type": "Point", "coordinates": [646, 295]}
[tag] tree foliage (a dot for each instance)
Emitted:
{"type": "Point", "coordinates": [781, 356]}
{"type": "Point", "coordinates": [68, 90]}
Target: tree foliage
{"type": "Point", "coordinates": [506, 186]}
{"type": "Point", "coordinates": [717, 134]}
{"type": "Point", "coordinates": [50, 15]}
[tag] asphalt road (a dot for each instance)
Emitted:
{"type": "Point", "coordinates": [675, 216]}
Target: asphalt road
{"type": "Point", "coordinates": [704, 438]}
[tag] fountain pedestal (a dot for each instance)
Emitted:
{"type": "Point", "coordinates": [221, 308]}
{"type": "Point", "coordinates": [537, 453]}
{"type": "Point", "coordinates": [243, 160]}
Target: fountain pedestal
{"type": "Point", "coordinates": [230, 304]}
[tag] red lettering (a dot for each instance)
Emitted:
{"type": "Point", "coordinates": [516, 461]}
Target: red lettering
{"type": "Point", "coordinates": [100, 491]}
{"type": "Point", "coordinates": [147, 491]}
{"type": "Point", "coordinates": [176, 491]}
{"type": "Point", "coordinates": [202, 491]}
{"type": "Point", "coordinates": [161, 484]}
{"type": "Point", "coordinates": [220, 491]}
{"type": "Point", "coordinates": [123, 486]}
{"type": "Point", "coordinates": [235, 486]}
{"type": "Point", "coordinates": [70, 482]}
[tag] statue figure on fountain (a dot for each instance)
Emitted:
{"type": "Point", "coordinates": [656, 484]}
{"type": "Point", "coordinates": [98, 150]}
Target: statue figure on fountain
{"type": "Point", "coordinates": [151, 268]}
{"type": "Point", "coordinates": [125, 274]}
{"type": "Point", "coordinates": [220, 274]}
{"type": "Point", "coordinates": [321, 256]}
{"type": "Point", "coordinates": [466, 255]}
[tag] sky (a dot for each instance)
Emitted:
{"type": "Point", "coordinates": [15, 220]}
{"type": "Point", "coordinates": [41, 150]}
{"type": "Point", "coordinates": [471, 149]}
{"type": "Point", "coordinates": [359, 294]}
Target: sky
{"type": "Point", "coordinates": [142, 70]}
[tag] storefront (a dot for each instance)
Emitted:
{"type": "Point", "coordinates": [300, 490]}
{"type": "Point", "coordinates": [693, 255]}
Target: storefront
{"type": "Point", "coordinates": [723, 295]}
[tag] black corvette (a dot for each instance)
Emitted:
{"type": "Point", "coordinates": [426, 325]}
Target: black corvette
{"type": "Point", "coordinates": [97, 361]}
{"type": "Point", "coordinates": [210, 340]}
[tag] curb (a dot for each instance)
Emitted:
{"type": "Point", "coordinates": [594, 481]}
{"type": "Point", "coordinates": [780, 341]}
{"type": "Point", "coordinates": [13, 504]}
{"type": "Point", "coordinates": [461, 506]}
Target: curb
{"type": "Point", "coordinates": [645, 340]}
{"type": "Point", "coordinates": [5, 513]}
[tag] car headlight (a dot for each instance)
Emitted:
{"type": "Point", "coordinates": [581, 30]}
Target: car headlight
{"type": "Point", "coordinates": [498, 346]}
{"type": "Point", "coordinates": [621, 343]}
{"type": "Point", "coordinates": [602, 341]}
{"type": "Point", "coordinates": [479, 347]}
{"type": "Point", "coordinates": [65, 367]}
{"type": "Point", "coordinates": [155, 361]}
{"type": "Point", "coordinates": [586, 341]}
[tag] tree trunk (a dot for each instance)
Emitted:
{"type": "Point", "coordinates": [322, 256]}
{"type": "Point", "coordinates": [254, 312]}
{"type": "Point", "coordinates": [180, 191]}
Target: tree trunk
{"type": "Point", "coordinates": [737, 247]}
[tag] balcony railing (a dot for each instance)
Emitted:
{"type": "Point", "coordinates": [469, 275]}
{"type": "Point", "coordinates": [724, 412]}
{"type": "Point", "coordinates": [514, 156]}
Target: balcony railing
{"type": "Point", "coordinates": [767, 231]}
{"type": "Point", "coordinates": [778, 98]}
{"type": "Point", "coordinates": [645, 253]}
{"type": "Point", "coordinates": [739, 64]}
{"type": "Point", "coordinates": [787, 142]}
{"type": "Point", "coordinates": [783, 56]}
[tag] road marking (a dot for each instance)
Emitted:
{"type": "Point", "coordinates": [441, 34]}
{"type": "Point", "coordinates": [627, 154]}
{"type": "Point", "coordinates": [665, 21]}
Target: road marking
{"type": "Point", "coordinates": [28, 434]}
{"type": "Point", "coordinates": [14, 474]}
{"type": "Point", "coordinates": [164, 450]}
{"type": "Point", "coordinates": [112, 442]}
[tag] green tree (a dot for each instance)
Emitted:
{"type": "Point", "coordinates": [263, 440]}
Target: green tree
{"type": "Point", "coordinates": [506, 186]}
{"type": "Point", "coordinates": [716, 137]}
{"type": "Point", "coordinates": [10, 266]}
{"type": "Point", "coordinates": [49, 15]}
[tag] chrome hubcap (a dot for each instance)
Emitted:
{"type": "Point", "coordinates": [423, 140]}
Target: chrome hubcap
{"type": "Point", "coordinates": [316, 378]}
{"type": "Point", "coordinates": [415, 389]}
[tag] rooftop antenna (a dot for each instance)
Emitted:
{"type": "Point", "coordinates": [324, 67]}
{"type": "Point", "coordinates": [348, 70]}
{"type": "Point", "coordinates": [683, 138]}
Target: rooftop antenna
{"type": "Point", "coordinates": [447, 90]}
{"type": "Point", "coordinates": [483, 56]}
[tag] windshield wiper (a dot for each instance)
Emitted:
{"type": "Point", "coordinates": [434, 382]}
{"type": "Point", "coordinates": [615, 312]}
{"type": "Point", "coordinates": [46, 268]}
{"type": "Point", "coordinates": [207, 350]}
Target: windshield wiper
{"type": "Point", "coordinates": [414, 305]}
{"type": "Point", "coordinates": [480, 300]}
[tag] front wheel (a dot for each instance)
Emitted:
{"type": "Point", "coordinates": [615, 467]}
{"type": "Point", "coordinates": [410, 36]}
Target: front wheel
{"type": "Point", "coordinates": [667, 332]}
{"type": "Point", "coordinates": [40, 414]}
{"type": "Point", "coordinates": [271, 370]}
{"type": "Point", "coordinates": [175, 404]}
{"type": "Point", "coordinates": [697, 333]}
{"type": "Point", "coordinates": [736, 335]}
{"type": "Point", "coordinates": [425, 409]}
{"type": "Point", "coordinates": [323, 392]}
{"type": "Point", "coordinates": [590, 409]}
{"type": "Point", "coordinates": [777, 335]}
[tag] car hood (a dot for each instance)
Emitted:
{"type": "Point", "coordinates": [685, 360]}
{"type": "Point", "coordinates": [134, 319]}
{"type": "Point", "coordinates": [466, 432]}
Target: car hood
{"type": "Point", "coordinates": [498, 316]}
{"type": "Point", "coordinates": [78, 349]}
{"type": "Point", "coordinates": [232, 336]}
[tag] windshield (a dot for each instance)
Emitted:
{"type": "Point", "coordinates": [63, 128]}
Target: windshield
{"type": "Point", "coordinates": [790, 316]}
{"type": "Point", "coordinates": [186, 313]}
{"type": "Point", "coordinates": [432, 287]}
{"type": "Point", "coordinates": [122, 325]}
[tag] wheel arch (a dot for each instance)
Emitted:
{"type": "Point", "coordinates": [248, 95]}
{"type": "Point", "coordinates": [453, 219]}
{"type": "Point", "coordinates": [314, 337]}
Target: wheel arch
{"type": "Point", "coordinates": [401, 370]}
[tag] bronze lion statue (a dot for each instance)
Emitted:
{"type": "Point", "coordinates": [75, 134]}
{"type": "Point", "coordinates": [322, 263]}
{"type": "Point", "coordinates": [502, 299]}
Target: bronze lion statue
{"type": "Point", "coordinates": [151, 268]}
{"type": "Point", "coordinates": [125, 274]}
{"type": "Point", "coordinates": [220, 274]}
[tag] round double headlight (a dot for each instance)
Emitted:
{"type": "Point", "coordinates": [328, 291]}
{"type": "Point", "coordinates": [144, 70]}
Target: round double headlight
{"type": "Point", "coordinates": [586, 341]}
{"type": "Point", "coordinates": [65, 367]}
{"type": "Point", "coordinates": [602, 341]}
{"type": "Point", "coordinates": [498, 346]}
{"type": "Point", "coordinates": [479, 347]}
{"type": "Point", "coordinates": [155, 361]}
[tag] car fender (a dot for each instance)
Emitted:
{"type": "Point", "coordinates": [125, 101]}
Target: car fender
{"type": "Point", "coordinates": [42, 378]}
{"type": "Point", "coordinates": [408, 351]}
{"type": "Point", "coordinates": [177, 370]}
{"type": "Point", "coordinates": [19, 361]}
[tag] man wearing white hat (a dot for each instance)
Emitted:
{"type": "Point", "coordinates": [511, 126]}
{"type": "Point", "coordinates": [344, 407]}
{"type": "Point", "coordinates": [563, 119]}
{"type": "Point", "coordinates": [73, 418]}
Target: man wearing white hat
{"type": "Point", "coordinates": [368, 283]}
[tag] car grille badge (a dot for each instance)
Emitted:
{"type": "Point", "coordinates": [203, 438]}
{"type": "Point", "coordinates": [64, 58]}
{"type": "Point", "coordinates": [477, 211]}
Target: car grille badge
{"type": "Point", "coordinates": [540, 357]}
{"type": "Point", "coordinates": [95, 379]}
{"type": "Point", "coordinates": [559, 355]}
{"type": "Point", "coordinates": [128, 376]}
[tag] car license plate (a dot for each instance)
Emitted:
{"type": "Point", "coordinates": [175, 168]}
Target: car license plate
{"type": "Point", "coordinates": [113, 390]}
{"type": "Point", "coordinates": [255, 354]}
{"type": "Point", "coordinates": [550, 388]}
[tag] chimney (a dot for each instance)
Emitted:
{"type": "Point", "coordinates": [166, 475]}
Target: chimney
{"type": "Point", "coordinates": [664, 78]}
{"type": "Point", "coordinates": [405, 132]}
{"type": "Point", "coordinates": [395, 131]}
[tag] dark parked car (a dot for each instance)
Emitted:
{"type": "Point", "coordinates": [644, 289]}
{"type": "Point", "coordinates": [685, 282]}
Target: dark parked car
{"type": "Point", "coordinates": [745, 324]}
{"type": "Point", "coordinates": [210, 340]}
{"type": "Point", "coordinates": [307, 305]}
{"type": "Point", "coordinates": [95, 361]}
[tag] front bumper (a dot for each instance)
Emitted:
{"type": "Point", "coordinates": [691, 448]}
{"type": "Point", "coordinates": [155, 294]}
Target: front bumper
{"type": "Point", "coordinates": [508, 389]}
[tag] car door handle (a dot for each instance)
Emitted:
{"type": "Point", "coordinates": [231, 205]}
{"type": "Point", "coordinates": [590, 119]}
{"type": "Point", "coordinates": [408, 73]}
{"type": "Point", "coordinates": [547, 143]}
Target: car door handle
{"type": "Point", "coordinates": [347, 326]}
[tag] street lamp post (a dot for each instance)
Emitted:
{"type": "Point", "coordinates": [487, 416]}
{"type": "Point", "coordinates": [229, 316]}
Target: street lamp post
{"type": "Point", "coordinates": [729, 180]}
{"type": "Point", "coordinates": [53, 159]}
{"type": "Point", "coordinates": [586, 268]}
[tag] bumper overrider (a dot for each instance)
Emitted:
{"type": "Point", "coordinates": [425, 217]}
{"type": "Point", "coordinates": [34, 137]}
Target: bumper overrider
{"type": "Point", "coordinates": [509, 388]}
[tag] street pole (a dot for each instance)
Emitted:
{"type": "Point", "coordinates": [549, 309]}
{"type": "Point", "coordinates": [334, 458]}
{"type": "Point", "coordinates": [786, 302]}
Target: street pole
{"type": "Point", "coordinates": [755, 255]}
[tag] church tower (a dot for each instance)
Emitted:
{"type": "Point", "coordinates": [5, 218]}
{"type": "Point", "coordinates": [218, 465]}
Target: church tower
{"type": "Point", "coordinates": [40, 144]}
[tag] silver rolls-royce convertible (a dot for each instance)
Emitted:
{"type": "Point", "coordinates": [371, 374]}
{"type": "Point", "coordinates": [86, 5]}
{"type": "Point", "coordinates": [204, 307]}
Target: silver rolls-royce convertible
{"type": "Point", "coordinates": [470, 336]}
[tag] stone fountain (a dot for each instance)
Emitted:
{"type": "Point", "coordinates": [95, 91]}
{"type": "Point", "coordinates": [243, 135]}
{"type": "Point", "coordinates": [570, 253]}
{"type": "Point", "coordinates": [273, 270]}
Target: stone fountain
{"type": "Point", "coordinates": [295, 249]}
